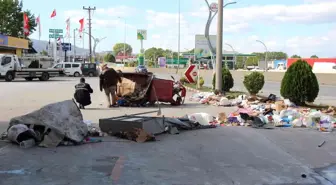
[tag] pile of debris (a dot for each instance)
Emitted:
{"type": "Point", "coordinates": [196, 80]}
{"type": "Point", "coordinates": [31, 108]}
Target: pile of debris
{"type": "Point", "coordinates": [271, 112]}
{"type": "Point", "coordinates": [211, 98]}
{"type": "Point", "coordinates": [53, 125]}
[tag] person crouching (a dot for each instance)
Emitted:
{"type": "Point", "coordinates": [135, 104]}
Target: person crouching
{"type": "Point", "coordinates": [82, 94]}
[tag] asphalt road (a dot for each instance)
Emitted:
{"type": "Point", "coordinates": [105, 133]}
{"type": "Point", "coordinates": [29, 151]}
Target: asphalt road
{"type": "Point", "coordinates": [225, 155]}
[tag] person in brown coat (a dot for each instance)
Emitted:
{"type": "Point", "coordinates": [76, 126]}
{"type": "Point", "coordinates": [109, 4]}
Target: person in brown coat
{"type": "Point", "coordinates": [109, 79]}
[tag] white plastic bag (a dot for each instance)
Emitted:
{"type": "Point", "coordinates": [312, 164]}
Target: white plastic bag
{"type": "Point", "coordinates": [204, 119]}
{"type": "Point", "coordinates": [224, 102]}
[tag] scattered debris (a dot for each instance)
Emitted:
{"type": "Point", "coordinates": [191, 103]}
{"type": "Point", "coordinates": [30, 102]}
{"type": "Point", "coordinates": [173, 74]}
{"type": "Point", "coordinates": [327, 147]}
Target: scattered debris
{"type": "Point", "coordinates": [320, 145]}
{"type": "Point", "coordinates": [269, 112]}
{"type": "Point", "coordinates": [53, 125]}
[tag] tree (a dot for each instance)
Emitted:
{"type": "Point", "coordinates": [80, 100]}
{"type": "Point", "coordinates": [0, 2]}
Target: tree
{"type": "Point", "coordinates": [11, 18]}
{"type": "Point", "coordinates": [109, 58]}
{"type": "Point", "coordinates": [314, 56]}
{"type": "Point", "coordinates": [254, 82]}
{"type": "Point", "coordinates": [252, 61]}
{"type": "Point", "coordinates": [154, 53]}
{"type": "Point", "coordinates": [227, 80]}
{"type": "Point", "coordinates": [295, 56]}
{"type": "Point", "coordinates": [299, 83]}
{"type": "Point", "coordinates": [271, 55]}
{"type": "Point", "coordinates": [118, 49]}
{"type": "Point", "coordinates": [44, 53]}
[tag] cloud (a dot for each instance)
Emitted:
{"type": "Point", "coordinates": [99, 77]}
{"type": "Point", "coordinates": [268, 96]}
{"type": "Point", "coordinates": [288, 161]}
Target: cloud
{"type": "Point", "coordinates": [119, 11]}
{"type": "Point", "coordinates": [316, 12]}
{"type": "Point", "coordinates": [99, 16]}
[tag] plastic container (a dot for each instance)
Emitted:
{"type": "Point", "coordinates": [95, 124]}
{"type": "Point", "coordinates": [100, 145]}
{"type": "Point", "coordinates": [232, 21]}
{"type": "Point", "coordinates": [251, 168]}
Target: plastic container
{"type": "Point", "coordinates": [27, 143]}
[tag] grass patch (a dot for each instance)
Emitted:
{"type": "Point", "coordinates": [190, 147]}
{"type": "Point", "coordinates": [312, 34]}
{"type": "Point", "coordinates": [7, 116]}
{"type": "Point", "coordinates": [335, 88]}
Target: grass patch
{"type": "Point", "coordinates": [229, 95]}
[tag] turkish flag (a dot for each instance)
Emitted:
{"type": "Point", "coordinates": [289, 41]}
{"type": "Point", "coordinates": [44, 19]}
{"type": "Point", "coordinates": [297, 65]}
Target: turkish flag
{"type": "Point", "coordinates": [53, 14]}
{"type": "Point", "coordinates": [81, 22]}
{"type": "Point", "coordinates": [25, 24]}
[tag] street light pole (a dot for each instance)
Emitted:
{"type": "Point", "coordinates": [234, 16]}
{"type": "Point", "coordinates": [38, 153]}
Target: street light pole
{"type": "Point", "coordinates": [265, 53]}
{"type": "Point", "coordinates": [179, 35]}
{"type": "Point", "coordinates": [234, 53]}
{"type": "Point", "coordinates": [219, 48]}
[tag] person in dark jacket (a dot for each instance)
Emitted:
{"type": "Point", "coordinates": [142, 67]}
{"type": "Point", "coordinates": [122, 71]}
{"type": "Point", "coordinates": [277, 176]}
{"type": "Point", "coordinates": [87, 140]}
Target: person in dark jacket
{"type": "Point", "coordinates": [82, 94]}
{"type": "Point", "coordinates": [109, 79]}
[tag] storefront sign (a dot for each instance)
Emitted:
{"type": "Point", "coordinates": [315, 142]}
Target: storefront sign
{"type": "Point", "coordinates": [3, 40]}
{"type": "Point", "coordinates": [17, 43]}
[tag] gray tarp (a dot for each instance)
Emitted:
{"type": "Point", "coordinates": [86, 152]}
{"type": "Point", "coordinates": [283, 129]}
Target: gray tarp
{"type": "Point", "coordinates": [64, 119]}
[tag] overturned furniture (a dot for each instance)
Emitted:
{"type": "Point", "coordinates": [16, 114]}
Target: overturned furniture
{"type": "Point", "coordinates": [142, 88]}
{"type": "Point", "coordinates": [132, 126]}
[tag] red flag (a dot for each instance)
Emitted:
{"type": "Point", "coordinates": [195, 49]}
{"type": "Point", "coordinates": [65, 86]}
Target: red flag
{"type": "Point", "coordinates": [25, 24]}
{"type": "Point", "coordinates": [38, 22]}
{"type": "Point", "coordinates": [81, 22]}
{"type": "Point", "coordinates": [68, 27]}
{"type": "Point", "coordinates": [53, 14]}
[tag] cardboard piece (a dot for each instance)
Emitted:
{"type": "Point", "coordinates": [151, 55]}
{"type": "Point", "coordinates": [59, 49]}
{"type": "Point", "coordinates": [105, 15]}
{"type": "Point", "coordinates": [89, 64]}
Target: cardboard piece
{"type": "Point", "coordinates": [279, 106]}
{"type": "Point", "coordinates": [126, 87]}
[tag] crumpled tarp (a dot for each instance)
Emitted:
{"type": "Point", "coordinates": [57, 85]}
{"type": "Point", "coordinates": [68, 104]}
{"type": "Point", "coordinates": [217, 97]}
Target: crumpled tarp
{"type": "Point", "coordinates": [61, 120]}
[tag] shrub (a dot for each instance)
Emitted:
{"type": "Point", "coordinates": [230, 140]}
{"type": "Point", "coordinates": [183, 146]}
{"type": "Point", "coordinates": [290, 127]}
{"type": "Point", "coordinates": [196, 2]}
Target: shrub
{"type": "Point", "coordinates": [227, 80]}
{"type": "Point", "coordinates": [254, 82]}
{"type": "Point", "coordinates": [183, 80]}
{"type": "Point", "coordinates": [299, 83]}
{"type": "Point", "coordinates": [201, 81]}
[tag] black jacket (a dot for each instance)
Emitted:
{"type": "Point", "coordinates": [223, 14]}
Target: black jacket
{"type": "Point", "coordinates": [82, 94]}
{"type": "Point", "coordinates": [108, 78]}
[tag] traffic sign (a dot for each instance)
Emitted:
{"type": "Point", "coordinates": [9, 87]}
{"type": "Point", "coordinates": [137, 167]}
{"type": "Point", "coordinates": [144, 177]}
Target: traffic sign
{"type": "Point", "coordinates": [66, 46]}
{"type": "Point", "coordinates": [142, 34]}
{"type": "Point", "coordinates": [214, 7]}
{"type": "Point", "coordinates": [191, 73]}
{"type": "Point", "coordinates": [55, 36]}
{"type": "Point", "coordinates": [55, 30]}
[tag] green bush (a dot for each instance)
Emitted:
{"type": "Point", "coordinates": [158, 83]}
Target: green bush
{"type": "Point", "coordinates": [227, 80]}
{"type": "Point", "coordinates": [299, 84]}
{"type": "Point", "coordinates": [201, 81]}
{"type": "Point", "coordinates": [183, 80]}
{"type": "Point", "coordinates": [254, 82]}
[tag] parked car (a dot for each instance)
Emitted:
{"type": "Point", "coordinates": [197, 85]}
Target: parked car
{"type": "Point", "coordinates": [70, 68]}
{"type": "Point", "coordinates": [141, 69]}
{"type": "Point", "coordinates": [90, 69]}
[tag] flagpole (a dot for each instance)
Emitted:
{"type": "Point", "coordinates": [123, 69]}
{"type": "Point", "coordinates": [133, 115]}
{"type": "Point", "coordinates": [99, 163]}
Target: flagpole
{"type": "Point", "coordinates": [39, 19]}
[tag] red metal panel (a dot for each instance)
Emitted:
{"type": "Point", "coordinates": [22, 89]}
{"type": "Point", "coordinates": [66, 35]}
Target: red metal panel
{"type": "Point", "coordinates": [311, 61]}
{"type": "Point", "coordinates": [163, 90]}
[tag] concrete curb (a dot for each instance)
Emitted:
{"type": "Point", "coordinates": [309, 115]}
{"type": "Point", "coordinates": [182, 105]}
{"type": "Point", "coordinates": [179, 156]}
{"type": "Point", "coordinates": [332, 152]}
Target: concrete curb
{"type": "Point", "coordinates": [192, 89]}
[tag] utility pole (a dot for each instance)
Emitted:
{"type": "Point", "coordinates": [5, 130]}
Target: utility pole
{"type": "Point", "coordinates": [89, 9]}
{"type": "Point", "coordinates": [219, 52]}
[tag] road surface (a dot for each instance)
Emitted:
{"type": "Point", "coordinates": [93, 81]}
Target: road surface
{"type": "Point", "coordinates": [225, 155]}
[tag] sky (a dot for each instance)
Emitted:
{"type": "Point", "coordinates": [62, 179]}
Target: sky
{"type": "Point", "coordinates": [302, 27]}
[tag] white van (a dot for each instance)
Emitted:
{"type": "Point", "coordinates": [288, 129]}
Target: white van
{"type": "Point", "coordinates": [70, 68]}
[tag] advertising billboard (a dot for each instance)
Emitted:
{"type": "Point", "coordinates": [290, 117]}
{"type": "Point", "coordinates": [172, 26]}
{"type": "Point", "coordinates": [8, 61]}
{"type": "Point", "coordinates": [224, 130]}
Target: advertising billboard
{"type": "Point", "coordinates": [17, 43]}
{"type": "Point", "coordinates": [3, 40]}
{"type": "Point", "coordinates": [201, 45]}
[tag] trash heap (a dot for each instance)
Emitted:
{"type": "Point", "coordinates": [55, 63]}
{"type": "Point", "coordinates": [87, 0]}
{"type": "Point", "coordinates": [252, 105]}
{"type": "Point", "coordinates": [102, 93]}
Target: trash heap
{"type": "Point", "coordinates": [211, 98]}
{"type": "Point", "coordinates": [269, 112]}
{"type": "Point", "coordinates": [53, 125]}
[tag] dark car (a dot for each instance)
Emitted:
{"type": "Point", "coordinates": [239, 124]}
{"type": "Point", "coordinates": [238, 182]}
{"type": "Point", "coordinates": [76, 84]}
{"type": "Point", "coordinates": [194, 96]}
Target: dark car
{"type": "Point", "coordinates": [141, 69]}
{"type": "Point", "coordinates": [90, 69]}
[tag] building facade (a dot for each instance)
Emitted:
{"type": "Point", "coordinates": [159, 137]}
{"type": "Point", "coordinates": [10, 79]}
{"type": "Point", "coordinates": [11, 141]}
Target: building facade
{"type": "Point", "coordinates": [13, 45]}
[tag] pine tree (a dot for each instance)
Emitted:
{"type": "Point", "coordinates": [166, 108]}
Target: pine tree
{"type": "Point", "coordinates": [300, 84]}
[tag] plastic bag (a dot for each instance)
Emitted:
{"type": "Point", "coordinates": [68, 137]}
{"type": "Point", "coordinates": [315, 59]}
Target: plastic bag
{"type": "Point", "coordinates": [326, 123]}
{"type": "Point", "coordinates": [224, 102]}
{"type": "Point", "coordinates": [204, 119]}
